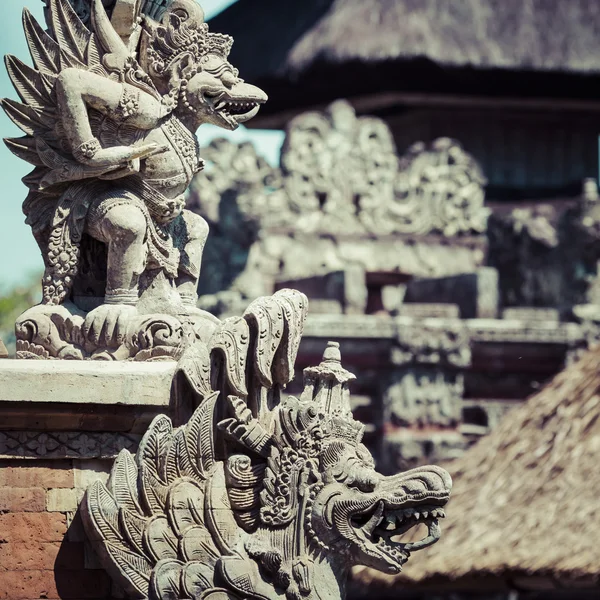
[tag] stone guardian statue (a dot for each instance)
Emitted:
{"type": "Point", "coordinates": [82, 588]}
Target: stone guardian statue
{"type": "Point", "coordinates": [109, 115]}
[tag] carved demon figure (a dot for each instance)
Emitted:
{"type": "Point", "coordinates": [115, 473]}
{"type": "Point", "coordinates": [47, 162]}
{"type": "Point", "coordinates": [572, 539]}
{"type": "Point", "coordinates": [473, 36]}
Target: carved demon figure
{"type": "Point", "coordinates": [110, 115]}
{"type": "Point", "coordinates": [258, 496]}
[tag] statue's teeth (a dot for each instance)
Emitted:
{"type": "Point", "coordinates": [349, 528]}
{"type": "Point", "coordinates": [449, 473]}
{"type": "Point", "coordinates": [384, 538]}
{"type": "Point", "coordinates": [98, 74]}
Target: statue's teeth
{"type": "Point", "coordinates": [374, 520]}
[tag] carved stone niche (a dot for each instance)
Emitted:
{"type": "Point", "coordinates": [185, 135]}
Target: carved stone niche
{"type": "Point", "coordinates": [424, 394]}
{"type": "Point", "coordinates": [257, 494]}
{"type": "Point", "coordinates": [109, 111]}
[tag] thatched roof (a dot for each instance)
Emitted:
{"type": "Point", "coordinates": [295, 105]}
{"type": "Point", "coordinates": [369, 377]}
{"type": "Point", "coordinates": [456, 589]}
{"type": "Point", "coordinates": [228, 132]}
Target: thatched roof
{"type": "Point", "coordinates": [275, 38]}
{"type": "Point", "coordinates": [526, 499]}
{"type": "Point", "coordinates": [386, 54]}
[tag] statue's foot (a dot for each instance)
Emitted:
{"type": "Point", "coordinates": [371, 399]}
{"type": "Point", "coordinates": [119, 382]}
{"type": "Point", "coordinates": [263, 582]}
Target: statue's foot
{"type": "Point", "coordinates": [107, 325]}
{"type": "Point", "coordinates": [109, 332]}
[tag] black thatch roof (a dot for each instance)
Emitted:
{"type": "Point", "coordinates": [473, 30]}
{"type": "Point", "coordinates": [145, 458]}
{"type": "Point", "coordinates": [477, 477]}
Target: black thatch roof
{"type": "Point", "coordinates": [283, 43]}
{"type": "Point", "coordinates": [286, 37]}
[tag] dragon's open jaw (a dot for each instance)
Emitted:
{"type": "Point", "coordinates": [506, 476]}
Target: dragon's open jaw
{"type": "Point", "coordinates": [379, 527]}
{"type": "Point", "coordinates": [234, 110]}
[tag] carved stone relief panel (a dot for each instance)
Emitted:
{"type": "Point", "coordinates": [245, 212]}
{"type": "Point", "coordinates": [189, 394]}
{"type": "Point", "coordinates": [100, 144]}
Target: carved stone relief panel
{"type": "Point", "coordinates": [422, 397]}
{"type": "Point", "coordinates": [340, 174]}
{"type": "Point", "coordinates": [445, 345]}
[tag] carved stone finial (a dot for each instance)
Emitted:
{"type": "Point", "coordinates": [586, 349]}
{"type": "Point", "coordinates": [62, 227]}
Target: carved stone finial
{"type": "Point", "coordinates": [332, 352]}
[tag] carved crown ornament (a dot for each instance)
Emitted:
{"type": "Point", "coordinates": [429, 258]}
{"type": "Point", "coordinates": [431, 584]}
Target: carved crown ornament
{"type": "Point", "coordinates": [342, 175]}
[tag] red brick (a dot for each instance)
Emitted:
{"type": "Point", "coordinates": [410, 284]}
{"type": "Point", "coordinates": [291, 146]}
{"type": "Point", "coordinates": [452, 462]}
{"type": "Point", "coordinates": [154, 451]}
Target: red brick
{"type": "Point", "coordinates": [37, 474]}
{"type": "Point", "coordinates": [22, 499]}
{"type": "Point", "coordinates": [26, 585]}
{"type": "Point", "coordinates": [32, 528]}
{"type": "Point", "coordinates": [41, 556]}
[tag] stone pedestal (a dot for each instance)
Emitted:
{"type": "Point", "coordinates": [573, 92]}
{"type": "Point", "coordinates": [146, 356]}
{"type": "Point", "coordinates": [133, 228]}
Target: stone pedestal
{"type": "Point", "coordinates": [62, 423]}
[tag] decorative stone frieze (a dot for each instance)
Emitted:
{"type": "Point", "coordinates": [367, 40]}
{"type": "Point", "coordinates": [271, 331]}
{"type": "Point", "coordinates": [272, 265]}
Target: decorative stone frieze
{"type": "Point", "coordinates": [445, 346]}
{"type": "Point", "coordinates": [64, 444]}
{"type": "Point", "coordinates": [340, 175]}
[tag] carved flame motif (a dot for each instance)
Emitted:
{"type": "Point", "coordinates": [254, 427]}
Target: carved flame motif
{"type": "Point", "coordinates": [258, 495]}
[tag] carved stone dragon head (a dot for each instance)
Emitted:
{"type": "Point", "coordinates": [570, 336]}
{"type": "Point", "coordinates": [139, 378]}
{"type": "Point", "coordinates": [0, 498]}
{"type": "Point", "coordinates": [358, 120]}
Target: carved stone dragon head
{"type": "Point", "coordinates": [258, 495]}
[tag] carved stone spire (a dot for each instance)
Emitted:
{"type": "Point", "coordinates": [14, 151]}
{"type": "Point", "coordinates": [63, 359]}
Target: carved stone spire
{"type": "Point", "coordinates": [327, 384]}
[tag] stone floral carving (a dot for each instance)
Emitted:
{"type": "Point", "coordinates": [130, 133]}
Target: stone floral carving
{"type": "Point", "coordinates": [257, 495]}
{"type": "Point", "coordinates": [341, 175]}
{"type": "Point", "coordinates": [423, 398]}
{"type": "Point", "coordinates": [448, 345]}
{"type": "Point", "coordinates": [343, 199]}
{"type": "Point", "coordinates": [109, 113]}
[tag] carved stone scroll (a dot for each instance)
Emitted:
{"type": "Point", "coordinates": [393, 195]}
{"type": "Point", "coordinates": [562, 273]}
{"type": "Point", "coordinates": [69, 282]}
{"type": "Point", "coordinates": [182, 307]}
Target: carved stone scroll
{"type": "Point", "coordinates": [341, 175]}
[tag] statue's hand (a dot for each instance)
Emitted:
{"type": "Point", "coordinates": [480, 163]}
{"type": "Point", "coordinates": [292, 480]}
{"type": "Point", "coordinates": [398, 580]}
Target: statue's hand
{"type": "Point", "coordinates": [118, 155]}
{"type": "Point", "coordinates": [129, 169]}
{"type": "Point", "coordinates": [106, 326]}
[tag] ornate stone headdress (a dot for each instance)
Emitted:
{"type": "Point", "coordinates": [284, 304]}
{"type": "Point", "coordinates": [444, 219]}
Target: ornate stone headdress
{"type": "Point", "coordinates": [181, 35]}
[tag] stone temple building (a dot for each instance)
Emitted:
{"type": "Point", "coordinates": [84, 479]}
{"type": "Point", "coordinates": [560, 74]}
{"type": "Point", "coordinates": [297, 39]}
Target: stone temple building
{"type": "Point", "coordinates": [442, 219]}
{"type": "Point", "coordinates": [513, 81]}
{"type": "Point", "coordinates": [506, 530]}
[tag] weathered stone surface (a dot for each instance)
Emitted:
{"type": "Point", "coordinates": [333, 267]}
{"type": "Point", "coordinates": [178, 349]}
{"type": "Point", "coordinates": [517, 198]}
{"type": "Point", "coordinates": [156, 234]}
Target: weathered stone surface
{"type": "Point", "coordinates": [476, 293]}
{"type": "Point", "coordinates": [402, 450]}
{"type": "Point", "coordinates": [111, 132]}
{"type": "Point", "coordinates": [3, 350]}
{"type": "Point", "coordinates": [38, 474]}
{"type": "Point", "coordinates": [86, 472]}
{"type": "Point", "coordinates": [548, 256]}
{"type": "Point", "coordinates": [24, 527]}
{"type": "Point", "coordinates": [42, 556]}
{"type": "Point", "coordinates": [13, 499]}
{"type": "Point", "coordinates": [341, 175]}
{"type": "Point", "coordinates": [342, 200]}
{"type": "Point", "coordinates": [528, 314]}
{"type": "Point", "coordinates": [61, 500]}
{"type": "Point", "coordinates": [238, 496]}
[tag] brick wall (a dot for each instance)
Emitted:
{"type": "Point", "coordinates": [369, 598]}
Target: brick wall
{"type": "Point", "coordinates": [43, 551]}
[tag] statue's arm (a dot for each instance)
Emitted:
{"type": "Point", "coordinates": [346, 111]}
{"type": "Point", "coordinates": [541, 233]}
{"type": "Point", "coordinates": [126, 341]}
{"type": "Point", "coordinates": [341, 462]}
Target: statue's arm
{"type": "Point", "coordinates": [77, 90]}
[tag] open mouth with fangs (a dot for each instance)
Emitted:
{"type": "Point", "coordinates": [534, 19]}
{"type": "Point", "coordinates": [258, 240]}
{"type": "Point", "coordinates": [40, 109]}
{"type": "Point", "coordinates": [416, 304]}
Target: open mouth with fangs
{"type": "Point", "coordinates": [235, 110]}
{"type": "Point", "coordinates": [380, 528]}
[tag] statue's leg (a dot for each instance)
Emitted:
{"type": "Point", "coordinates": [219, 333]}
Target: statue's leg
{"type": "Point", "coordinates": [189, 235]}
{"type": "Point", "coordinates": [121, 224]}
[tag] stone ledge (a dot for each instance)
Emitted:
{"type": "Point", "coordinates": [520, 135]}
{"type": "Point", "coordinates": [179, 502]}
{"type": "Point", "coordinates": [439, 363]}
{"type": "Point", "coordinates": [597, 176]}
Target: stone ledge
{"type": "Point", "coordinates": [83, 396]}
{"type": "Point", "coordinates": [86, 382]}
{"type": "Point", "coordinates": [481, 330]}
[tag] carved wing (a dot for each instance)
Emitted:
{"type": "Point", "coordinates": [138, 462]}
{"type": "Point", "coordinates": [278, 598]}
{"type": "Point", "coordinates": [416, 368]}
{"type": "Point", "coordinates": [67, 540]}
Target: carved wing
{"type": "Point", "coordinates": [67, 44]}
{"type": "Point", "coordinates": [153, 524]}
